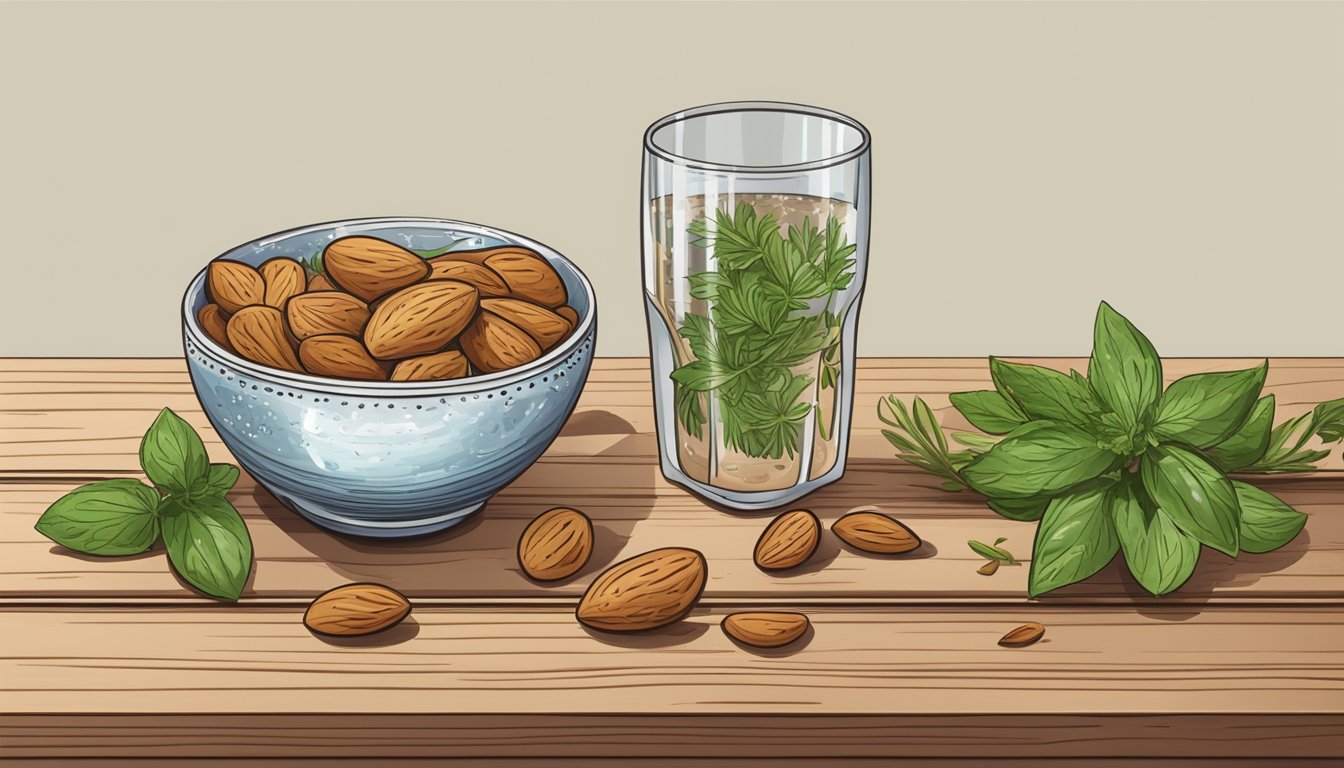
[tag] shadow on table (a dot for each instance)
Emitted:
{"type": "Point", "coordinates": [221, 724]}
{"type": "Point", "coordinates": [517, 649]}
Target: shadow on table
{"type": "Point", "coordinates": [485, 544]}
{"type": "Point", "coordinates": [664, 637]}
{"type": "Point", "coordinates": [406, 630]}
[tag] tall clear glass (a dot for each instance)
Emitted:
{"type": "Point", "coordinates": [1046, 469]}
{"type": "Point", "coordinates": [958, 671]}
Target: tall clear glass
{"type": "Point", "coordinates": [755, 224]}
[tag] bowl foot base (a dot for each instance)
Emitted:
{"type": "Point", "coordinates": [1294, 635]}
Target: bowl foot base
{"type": "Point", "coordinates": [391, 529]}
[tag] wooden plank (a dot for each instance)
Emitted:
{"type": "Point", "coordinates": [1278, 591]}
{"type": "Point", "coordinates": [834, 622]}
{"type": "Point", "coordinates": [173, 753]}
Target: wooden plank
{"type": "Point", "coordinates": [512, 682]}
{"type": "Point", "coordinates": [297, 560]}
{"type": "Point", "coordinates": [80, 417]}
{"type": "Point", "coordinates": [679, 761]}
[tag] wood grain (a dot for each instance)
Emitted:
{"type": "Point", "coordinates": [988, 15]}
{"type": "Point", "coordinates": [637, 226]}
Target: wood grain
{"type": "Point", "coordinates": [116, 659]}
{"type": "Point", "coordinates": [86, 416]}
{"type": "Point", "coordinates": [1230, 682]}
{"type": "Point", "coordinates": [605, 464]}
{"type": "Point", "coordinates": [297, 560]}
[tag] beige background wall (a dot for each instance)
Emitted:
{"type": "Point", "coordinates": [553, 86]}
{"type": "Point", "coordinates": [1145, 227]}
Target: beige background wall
{"type": "Point", "coordinates": [1185, 161]}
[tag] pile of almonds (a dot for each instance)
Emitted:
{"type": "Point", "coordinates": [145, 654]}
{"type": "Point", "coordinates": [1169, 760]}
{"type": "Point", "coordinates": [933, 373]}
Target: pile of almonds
{"type": "Point", "coordinates": [379, 312]}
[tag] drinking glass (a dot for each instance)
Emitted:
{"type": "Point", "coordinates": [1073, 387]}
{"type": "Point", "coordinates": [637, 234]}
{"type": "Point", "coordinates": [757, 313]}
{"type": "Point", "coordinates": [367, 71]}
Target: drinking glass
{"type": "Point", "coordinates": [755, 246]}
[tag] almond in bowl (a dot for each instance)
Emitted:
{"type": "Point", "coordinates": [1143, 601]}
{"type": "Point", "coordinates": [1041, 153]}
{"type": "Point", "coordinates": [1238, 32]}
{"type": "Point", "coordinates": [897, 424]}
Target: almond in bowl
{"type": "Point", "coordinates": [380, 312]}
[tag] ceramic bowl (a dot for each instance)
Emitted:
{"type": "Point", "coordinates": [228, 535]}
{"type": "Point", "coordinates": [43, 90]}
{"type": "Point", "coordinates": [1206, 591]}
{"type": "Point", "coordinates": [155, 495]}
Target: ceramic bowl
{"type": "Point", "coordinates": [388, 459]}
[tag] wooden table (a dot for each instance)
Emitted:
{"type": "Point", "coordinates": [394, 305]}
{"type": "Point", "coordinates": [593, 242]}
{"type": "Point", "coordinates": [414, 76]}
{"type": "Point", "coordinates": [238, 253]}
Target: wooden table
{"type": "Point", "coordinates": [115, 658]}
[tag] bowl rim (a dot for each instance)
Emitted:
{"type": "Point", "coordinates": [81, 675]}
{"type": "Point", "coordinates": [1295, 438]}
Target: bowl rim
{"type": "Point", "coordinates": [468, 385]}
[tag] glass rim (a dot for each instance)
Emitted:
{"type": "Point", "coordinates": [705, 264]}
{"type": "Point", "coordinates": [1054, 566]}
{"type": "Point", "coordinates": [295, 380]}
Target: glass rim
{"type": "Point", "coordinates": [727, 107]}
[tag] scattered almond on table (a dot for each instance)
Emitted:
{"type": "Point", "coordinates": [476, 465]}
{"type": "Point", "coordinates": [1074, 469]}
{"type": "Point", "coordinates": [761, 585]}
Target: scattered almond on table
{"type": "Point", "coordinates": [380, 312]}
{"type": "Point", "coordinates": [355, 610]}
{"type": "Point", "coordinates": [647, 591]}
{"type": "Point", "coordinates": [556, 545]}
{"type": "Point", "coordinates": [1023, 636]}
{"type": "Point", "coordinates": [765, 630]}
{"type": "Point", "coordinates": [867, 530]}
{"type": "Point", "coordinates": [788, 541]}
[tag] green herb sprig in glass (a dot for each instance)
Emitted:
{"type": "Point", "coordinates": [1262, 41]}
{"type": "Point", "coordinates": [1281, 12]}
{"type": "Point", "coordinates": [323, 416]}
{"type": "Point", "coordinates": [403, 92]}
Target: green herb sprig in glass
{"type": "Point", "coordinates": [761, 325]}
{"type": "Point", "coordinates": [207, 541]}
{"type": "Point", "coordinates": [1110, 463]}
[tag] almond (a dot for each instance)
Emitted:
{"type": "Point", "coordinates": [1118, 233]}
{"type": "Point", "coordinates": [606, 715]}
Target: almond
{"type": "Point", "coordinates": [370, 268]}
{"type": "Point", "coordinates": [1023, 635]}
{"type": "Point", "coordinates": [788, 541]}
{"type": "Point", "coordinates": [570, 314]}
{"type": "Point", "coordinates": [215, 324]}
{"type": "Point", "coordinates": [529, 276]}
{"type": "Point", "coordinates": [765, 630]}
{"type": "Point", "coordinates": [356, 609]}
{"type": "Point", "coordinates": [319, 312]}
{"type": "Point", "coordinates": [234, 285]}
{"type": "Point", "coordinates": [492, 344]}
{"type": "Point", "coordinates": [284, 279]}
{"type": "Point", "coordinates": [477, 256]}
{"type": "Point", "coordinates": [989, 568]}
{"type": "Point", "coordinates": [645, 592]}
{"type": "Point", "coordinates": [441, 366]}
{"type": "Point", "coordinates": [421, 319]}
{"type": "Point", "coordinates": [875, 532]}
{"type": "Point", "coordinates": [486, 280]}
{"type": "Point", "coordinates": [320, 283]}
{"type": "Point", "coordinates": [340, 357]}
{"type": "Point", "coordinates": [544, 326]}
{"type": "Point", "coordinates": [258, 334]}
{"type": "Point", "coordinates": [556, 545]}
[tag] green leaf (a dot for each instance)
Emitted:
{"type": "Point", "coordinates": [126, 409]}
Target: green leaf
{"type": "Point", "coordinates": [1159, 554]}
{"type": "Point", "coordinates": [1025, 510]}
{"type": "Point", "coordinates": [918, 447]}
{"type": "Point", "coordinates": [220, 480]}
{"type": "Point", "coordinates": [173, 455]}
{"type": "Point", "coordinates": [1327, 420]}
{"type": "Point", "coordinates": [1203, 408]}
{"type": "Point", "coordinates": [1124, 371]}
{"type": "Point", "coordinates": [432, 252]}
{"type": "Point", "coordinates": [993, 552]}
{"type": "Point", "coordinates": [1266, 522]}
{"type": "Point", "coordinates": [1249, 443]}
{"type": "Point", "coordinates": [208, 544]}
{"type": "Point", "coordinates": [1041, 458]}
{"type": "Point", "coordinates": [1197, 496]}
{"type": "Point", "coordinates": [1043, 393]}
{"type": "Point", "coordinates": [107, 518]}
{"type": "Point", "coordinates": [989, 411]}
{"type": "Point", "coordinates": [1074, 540]}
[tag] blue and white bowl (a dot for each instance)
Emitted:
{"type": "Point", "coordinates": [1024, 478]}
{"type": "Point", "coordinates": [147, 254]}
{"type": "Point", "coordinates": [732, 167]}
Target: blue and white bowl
{"type": "Point", "coordinates": [388, 459]}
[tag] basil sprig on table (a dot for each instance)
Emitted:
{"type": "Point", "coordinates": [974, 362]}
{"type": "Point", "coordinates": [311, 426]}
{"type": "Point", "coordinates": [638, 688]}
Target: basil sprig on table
{"type": "Point", "coordinates": [206, 539]}
{"type": "Point", "coordinates": [1109, 463]}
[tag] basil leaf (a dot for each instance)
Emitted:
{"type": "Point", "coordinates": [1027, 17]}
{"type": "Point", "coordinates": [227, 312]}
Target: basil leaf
{"type": "Point", "coordinates": [1074, 540]}
{"type": "Point", "coordinates": [1203, 408]}
{"type": "Point", "coordinates": [1041, 458]}
{"type": "Point", "coordinates": [1042, 393]}
{"type": "Point", "coordinates": [1159, 554]}
{"type": "Point", "coordinates": [208, 544]}
{"type": "Point", "coordinates": [1025, 510]}
{"type": "Point", "coordinates": [220, 480]}
{"type": "Point", "coordinates": [989, 411]}
{"type": "Point", "coordinates": [1327, 420]}
{"type": "Point", "coordinates": [173, 455]}
{"type": "Point", "coordinates": [1197, 496]}
{"type": "Point", "coordinates": [1266, 522]}
{"type": "Point", "coordinates": [1249, 443]}
{"type": "Point", "coordinates": [106, 518]}
{"type": "Point", "coordinates": [1124, 371]}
